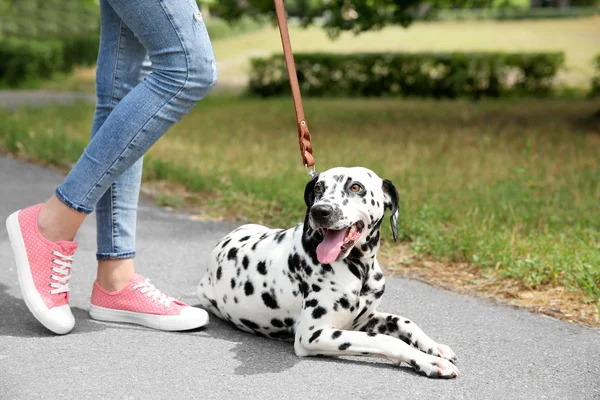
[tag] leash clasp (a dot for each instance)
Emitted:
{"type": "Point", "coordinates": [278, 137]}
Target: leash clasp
{"type": "Point", "coordinates": [311, 171]}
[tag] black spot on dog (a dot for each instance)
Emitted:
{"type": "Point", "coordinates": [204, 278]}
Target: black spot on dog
{"type": "Point", "coordinates": [235, 300]}
{"type": "Point", "coordinates": [371, 333]}
{"type": "Point", "coordinates": [254, 246]}
{"type": "Point", "coordinates": [270, 300]}
{"type": "Point", "coordinates": [355, 271]}
{"type": "Point", "coordinates": [214, 304]}
{"type": "Point", "coordinates": [365, 289]}
{"type": "Point", "coordinates": [382, 329]}
{"type": "Point", "coordinates": [262, 268]}
{"type": "Point", "coordinates": [344, 346]}
{"type": "Point", "coordinates": [364, 310]}
{"type": "Point", "coordinates": [219, 273]}
{"type": "Point", "coordinates": [318, 312]}
{"type": "Point", "coordinates": [336, 334]}
{"type": "Point", "coordinates": [380, 292]}
{"type": "Point", "coordinates": [311, 303]}
{"type": "Point", "coordinates": [355, 253]}
{"type": "Point", "coordinates": [232, 283]}
{"type": "Point", "coordinates": [277, 323]}
{"type": "Point", "coordinates": [248, 288]}
{"type": "Point", "coordinates": [293, 262]}
{"type": "Point", "coordinates": [372, 202]}
{"type": "Point", "coordinates": [225, 243]}
{"type": "Point", "coordinates": [280, 236]}
{"type": "Point", "coordinates": [245, 262]}
{"type": "Point", "coordinates": [327, 269]}
{"type": "Point", "coordinates": [316, 288]}
{"type": "Point", "coordinates": [232, 253]}
{"type": "Point", "coordinates": [414, 364]}
{"type": "Point", "coordinates": [249, 323]}
{"type": "Point", "coordinates": [344, 303]}
{"type": "Point", "coordinates": [304, 288]}
{"type": "Point", "coordinates": [244, 238]}
{"type": "Point", "coordinates": [289, 321]}
{"type": "Point", "coordinates": [407, 322]}
{"type": "Point", "coordinates": [315, 336]}
{"type": "Point", "coordinates": [378, 276]}
{"type": "Point", "coordinates": [370, 325]}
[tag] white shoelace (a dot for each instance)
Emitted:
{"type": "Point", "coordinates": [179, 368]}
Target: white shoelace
{"type": "Point", "coordinates": [62, 272]}
{"type": "Point", "coordinates": [152, 292]}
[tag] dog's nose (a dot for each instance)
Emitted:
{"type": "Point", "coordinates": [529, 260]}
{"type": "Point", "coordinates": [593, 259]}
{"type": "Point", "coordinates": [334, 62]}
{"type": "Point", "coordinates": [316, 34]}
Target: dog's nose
{"type": "Point", "coordinates": [321, 212]}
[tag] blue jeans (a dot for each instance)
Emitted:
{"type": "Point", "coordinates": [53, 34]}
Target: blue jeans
{"type": "Point", "coordinates": [155, 63]}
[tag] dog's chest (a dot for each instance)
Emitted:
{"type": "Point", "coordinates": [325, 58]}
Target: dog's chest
{"type": "Point", "coordinates": [347, 295]}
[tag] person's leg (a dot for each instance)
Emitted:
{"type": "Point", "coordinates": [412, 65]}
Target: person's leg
{"type": "Point", "coordinates": [123, 65]}
{"type": "Point", "coordinates": [183, 71]}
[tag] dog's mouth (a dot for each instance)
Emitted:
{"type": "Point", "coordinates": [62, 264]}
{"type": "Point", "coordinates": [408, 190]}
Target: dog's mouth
{"type": "Point", "coordinates": [337, 242]}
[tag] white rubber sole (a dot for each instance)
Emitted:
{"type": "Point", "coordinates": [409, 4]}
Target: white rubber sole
{"type": "Point", "coordinates": [190, 318]}
{"type": "Point", "coordinates": [59, 320]}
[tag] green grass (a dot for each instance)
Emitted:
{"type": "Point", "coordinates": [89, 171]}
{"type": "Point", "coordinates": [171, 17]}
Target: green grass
{"type": "Point", "coordinates": [512, 187]}
{"type": "Point", "coordinates": [578, 38]}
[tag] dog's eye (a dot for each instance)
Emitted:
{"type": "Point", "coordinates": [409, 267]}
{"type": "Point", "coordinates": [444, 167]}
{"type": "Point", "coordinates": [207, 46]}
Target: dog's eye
{"type": "Point", "coordinates": [318, 189]}
{"type": "Point", "coordinates": [355, 188]}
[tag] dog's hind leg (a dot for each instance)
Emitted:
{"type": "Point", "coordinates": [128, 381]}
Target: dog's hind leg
{"type": "Point", "coordinates": [333, 342]}
{"type": "Point", "coordinates": [206, 296]}
{"type": "Point", "coordinates": [406, 330]}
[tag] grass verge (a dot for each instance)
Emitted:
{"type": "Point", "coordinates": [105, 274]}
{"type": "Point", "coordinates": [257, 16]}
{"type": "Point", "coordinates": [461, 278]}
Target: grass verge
{"type": "Point", "coordinates": [509, 189]}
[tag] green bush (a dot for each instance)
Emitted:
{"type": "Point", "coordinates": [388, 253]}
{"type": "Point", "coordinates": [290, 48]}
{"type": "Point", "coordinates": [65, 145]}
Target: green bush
{"type": "Point", "coordinates": [595, 92]}
{"type": "Point", "coordinates": [82, 51]}
{"type": "Point", "coordinates": [438, 75]}
{"type": "Point", "coordinates": [24, 61]}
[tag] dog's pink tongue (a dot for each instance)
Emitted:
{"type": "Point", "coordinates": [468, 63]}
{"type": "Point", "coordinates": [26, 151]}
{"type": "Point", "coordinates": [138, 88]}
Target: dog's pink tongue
{"type": "Point", "coordinates": [329, 249]}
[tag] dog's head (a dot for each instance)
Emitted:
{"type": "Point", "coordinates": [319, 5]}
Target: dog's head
{"type": "Point", "coordinates": [346, 206]}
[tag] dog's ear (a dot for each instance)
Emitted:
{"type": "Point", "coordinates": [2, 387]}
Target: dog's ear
{"type": "Point", "coordinates": [392, 203]}
{"type": "Point", "coordinates": [309, 192]}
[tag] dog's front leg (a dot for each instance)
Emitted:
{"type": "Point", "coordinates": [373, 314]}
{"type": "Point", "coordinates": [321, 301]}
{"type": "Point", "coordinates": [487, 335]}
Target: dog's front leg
{"type": "Point", "coordinates": [406, 330]}
{"type": "Point", "coordinates": [333, 342]}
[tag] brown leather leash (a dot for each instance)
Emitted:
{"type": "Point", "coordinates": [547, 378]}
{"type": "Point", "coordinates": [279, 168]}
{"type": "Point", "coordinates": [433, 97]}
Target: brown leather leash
{"type": "Point", "coordinates": [303, 133]}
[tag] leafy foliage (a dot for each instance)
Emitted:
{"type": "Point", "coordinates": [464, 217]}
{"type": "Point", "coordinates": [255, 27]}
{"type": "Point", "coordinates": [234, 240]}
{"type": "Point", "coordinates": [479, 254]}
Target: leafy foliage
{"type": "Point", "coordinates": [24, 61]}
{"type": "Point", "coordinates": [48, 18]}
{"type": "Point", "coordinates": [438, 75]}
{"type": "Point", "coordinates": [595, 92]}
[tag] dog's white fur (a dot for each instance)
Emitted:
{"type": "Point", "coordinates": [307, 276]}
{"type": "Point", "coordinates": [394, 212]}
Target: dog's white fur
{"type": "Point", "coordinates": [270, 281]}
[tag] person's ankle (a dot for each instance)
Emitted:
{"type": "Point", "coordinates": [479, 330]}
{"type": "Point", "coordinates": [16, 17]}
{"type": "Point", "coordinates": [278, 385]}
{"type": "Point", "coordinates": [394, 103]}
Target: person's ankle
{"type": "Point", "coordinates": [56, 222]}
{"type": "Point", "coordinates": [114, 275]}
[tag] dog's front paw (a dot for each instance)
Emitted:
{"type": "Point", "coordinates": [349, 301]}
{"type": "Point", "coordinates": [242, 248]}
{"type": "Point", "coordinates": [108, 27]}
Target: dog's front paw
{"type": "Point", "coordinates": [443, 351]}
{"type": "Point", "coordinates": [435, 367]}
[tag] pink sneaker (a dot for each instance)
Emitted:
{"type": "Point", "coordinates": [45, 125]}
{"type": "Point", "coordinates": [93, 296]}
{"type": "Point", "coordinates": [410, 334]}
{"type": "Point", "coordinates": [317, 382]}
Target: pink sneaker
{"type": "Point", "coordinates": [141, 303]}
{"type": "Point", "coordinates": [44, 270]}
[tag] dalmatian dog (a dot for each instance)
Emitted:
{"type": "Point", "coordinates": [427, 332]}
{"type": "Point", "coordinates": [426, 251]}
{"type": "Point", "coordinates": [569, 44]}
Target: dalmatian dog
{"type": "Point", "coordinates": [319, 282]}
